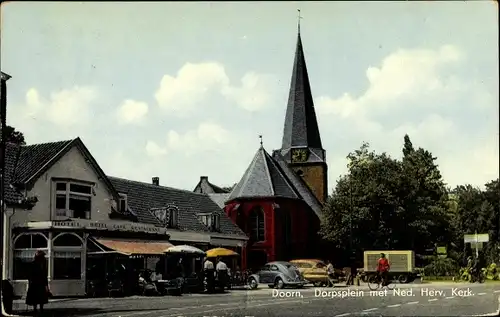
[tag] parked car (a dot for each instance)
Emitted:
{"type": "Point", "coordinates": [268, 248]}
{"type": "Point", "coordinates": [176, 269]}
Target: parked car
{"type": "Point", "coordinates": [277, 275]}
{"type": "Point", "coordinates": [314, 271]}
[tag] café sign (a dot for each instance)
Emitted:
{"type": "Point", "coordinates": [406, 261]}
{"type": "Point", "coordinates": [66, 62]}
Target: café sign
{"type": "Point", "coordinates": [107, 226]}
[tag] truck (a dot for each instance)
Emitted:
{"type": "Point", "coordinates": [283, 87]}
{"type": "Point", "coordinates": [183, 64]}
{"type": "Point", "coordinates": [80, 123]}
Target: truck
{"type": "Point", "coordinates": [402, 264]}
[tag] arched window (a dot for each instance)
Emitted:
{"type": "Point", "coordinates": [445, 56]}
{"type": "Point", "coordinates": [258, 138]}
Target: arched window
{"type": "Point", "coordinates": [25, 247]}
{"type": "Point", "coordinates": [67, 254]}
{"type": "Point", "coordinates": [257, 225]}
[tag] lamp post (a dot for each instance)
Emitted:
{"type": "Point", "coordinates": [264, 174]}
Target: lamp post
{"type": "Point", "coordinates": [3, 119]}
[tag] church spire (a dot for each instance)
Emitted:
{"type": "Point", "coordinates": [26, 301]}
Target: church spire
{"type": "Point", "coordinates": [301, 126]}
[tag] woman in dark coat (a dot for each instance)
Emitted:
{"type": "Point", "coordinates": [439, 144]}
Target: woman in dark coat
{"type": "Point", "coordinates": [38, 285]}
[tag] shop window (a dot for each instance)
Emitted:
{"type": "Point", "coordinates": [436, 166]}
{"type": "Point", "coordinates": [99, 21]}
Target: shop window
{"type": "Point", "coordinates": [67, 265]}
{"type": "Point", "coordinates": [67, 257]}
{"type": "Point", "coordinates": [67, 240]}
{"type": "Point", "coordinates": [25, 247]}
{"type": "Point", "coordinates": [73, 200]}
{"type": "Point", "coordinates": [257, 225]}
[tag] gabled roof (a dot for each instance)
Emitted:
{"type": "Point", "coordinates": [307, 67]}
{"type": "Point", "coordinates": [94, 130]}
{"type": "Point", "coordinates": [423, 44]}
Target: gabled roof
{"type": "Point", "coordinates": [264, 178]}
{"type": "Point", "coordinates": [299, 184]}
{"type": "Point", "coordinates": [205, 187]}
{"type": "Point", "coordinates": [301, 126]}
{"type": "Point", "coordinates": [25, 164]}
{"type": "Point", "coordinates": [142, 197]}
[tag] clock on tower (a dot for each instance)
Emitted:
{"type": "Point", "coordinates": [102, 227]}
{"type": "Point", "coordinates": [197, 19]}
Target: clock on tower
{"type": "Point", "coordinates": [300, 155]}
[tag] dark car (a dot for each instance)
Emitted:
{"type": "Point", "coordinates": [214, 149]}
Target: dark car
{"type": "Point", "coordinates": [277, 275]}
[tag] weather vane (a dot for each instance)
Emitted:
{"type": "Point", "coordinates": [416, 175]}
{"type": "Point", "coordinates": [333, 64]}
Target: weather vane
{"type": "Point", "coordinates": [299, 17]}
{"type": "Point", "coordinates": [260, 137]}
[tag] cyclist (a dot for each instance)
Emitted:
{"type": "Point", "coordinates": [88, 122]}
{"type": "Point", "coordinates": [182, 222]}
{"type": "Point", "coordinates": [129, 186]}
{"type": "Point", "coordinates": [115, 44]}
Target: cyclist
{"type": "Point", "coordinates": [383, 267]}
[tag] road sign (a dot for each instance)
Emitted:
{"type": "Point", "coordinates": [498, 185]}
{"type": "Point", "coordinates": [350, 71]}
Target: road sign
{"type": "Point", "coordinates": [474, 238]}
{"type": "Point", "coordinates": [477, 246]}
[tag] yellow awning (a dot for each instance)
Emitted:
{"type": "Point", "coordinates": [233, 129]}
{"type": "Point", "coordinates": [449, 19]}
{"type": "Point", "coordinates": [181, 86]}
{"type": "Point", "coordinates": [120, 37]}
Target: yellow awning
{"type": "Point", "coordinates": [136, 246]}
{"type": "Point", "coordinates": [213, 253]}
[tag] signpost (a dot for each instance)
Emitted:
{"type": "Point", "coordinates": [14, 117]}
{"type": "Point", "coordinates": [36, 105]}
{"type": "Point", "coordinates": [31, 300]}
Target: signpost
{"type": "Point", "coordinates": [476, 240]}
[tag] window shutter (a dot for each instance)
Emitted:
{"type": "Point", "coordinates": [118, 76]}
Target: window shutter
{"type": "Point", "coordinates": [216, 222]}
{"type": "Point", "coordinates": [174, 217]}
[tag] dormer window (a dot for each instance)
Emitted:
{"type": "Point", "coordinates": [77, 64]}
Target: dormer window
{"type": "Point", "coordinates": [168, 216]}
{"type": "Point", "coordinates": [122, 206]}
{"type": "Point", "coordinates": [210, 220]}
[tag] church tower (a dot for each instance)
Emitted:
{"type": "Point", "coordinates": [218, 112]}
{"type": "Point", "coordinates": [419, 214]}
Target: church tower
{"type": "Point", "coordinates": [301, 145]}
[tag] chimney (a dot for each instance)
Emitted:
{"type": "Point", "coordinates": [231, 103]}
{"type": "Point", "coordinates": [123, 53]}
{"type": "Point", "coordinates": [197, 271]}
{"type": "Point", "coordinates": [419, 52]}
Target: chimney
{"type": "Point", "coordinates": [156, 181]}
{"type": "Point", "coordinates": [204, 178]}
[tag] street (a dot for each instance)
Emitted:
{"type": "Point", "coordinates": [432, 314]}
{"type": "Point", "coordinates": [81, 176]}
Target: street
{"type": "Point", "coordinates": [440, 299]}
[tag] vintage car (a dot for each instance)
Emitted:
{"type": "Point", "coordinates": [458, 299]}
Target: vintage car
{"type": "Point", "coordinates": [314, 271]}
{"type": "Point", "coordinates": [277, 275]}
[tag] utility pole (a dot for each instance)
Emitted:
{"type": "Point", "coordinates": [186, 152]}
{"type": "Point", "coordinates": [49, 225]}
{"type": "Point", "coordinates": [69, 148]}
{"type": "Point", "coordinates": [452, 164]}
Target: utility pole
{"type": "Point", "coordinates": [3, 119]}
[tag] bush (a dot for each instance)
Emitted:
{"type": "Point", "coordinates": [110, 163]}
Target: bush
{"type": "Point", "coordinates": [442, 267]}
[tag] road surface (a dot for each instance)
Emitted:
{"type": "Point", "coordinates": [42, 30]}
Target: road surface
{"type": "Point", "coordinates": [443, 299]}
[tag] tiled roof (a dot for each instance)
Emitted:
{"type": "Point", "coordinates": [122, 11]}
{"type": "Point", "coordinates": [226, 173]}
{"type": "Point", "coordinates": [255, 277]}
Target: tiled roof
{"type": "Point", "coordinates": [301, 126]}
{"type": "Point", "coordinates": [299, 184]}
{"type": "Point", "coordinates": [35, 157]}
{"type": "Point", "coordinates": [12, 196]}
{"type": "Point", "coordinates": [263, 178]}
{"type": "Point", "coordinates": [142, 197]}
{"type": "Point", "coordinates": [205, 187]}
{"type": "Point", "coordinates": [219, 199]}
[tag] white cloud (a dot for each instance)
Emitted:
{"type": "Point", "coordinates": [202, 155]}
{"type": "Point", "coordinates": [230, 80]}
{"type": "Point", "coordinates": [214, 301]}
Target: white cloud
{"type": "Point", "coordinates": [418, 92]}
{"type": "Point", "coordinates": [188, 91]}
{"type": "Point", "coordinates": [132, 112]}
{"type": "Point", "coordinates": [66, 107]}
{"type": "Point", "coordinates": [207, 137]}
{"type": "Point", "coordinates": [403, 76]}
{"type": "Point", "coordinates": [154, 150]}
{"type": "Point", "coordinates": [254, 94]}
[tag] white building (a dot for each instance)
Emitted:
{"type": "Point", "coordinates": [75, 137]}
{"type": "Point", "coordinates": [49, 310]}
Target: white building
{"type": "Point", "coordinates": [76, 208]}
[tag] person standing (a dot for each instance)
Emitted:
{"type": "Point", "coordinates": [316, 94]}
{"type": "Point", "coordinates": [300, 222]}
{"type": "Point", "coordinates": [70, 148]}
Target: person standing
{"type": "Point", "coordinates": [209, 275]}
{"type": "Point", "coordinates": [38, 284]}
{"type": "Point", "coordinates": [221, 273]}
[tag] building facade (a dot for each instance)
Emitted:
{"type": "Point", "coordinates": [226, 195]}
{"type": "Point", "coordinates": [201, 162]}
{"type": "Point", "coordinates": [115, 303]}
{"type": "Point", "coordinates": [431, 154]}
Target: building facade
{"type": "Point", "coordinates": [79, 211]}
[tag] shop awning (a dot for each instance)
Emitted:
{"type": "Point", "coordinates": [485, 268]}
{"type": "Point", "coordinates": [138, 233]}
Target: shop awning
{"type": "Point", "coordinates": [135, 246]}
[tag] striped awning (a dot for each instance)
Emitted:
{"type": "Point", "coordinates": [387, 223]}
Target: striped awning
{"type": "Point", "coordinates": [130, 247]}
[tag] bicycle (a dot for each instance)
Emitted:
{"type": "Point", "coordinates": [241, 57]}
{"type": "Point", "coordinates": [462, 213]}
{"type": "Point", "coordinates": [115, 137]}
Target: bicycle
{"type": "Point", "coordinates": [375, 282]}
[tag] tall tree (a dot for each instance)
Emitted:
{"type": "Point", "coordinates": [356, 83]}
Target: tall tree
{"type": "Point", "coordinates": [13, 136]}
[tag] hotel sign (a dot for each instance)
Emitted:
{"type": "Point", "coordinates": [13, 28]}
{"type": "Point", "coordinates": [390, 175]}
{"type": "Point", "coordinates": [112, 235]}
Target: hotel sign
{"type": "Point", "coordinates": [130, 227]}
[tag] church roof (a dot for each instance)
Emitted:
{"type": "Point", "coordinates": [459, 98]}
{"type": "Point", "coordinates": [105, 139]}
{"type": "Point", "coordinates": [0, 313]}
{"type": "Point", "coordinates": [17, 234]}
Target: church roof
{"type": "Point", "coordinates": [299, 184]}
{"type": "Point", "coordinates": [301, 126]}
{"type": "Point", "coordinates": [264, 178]}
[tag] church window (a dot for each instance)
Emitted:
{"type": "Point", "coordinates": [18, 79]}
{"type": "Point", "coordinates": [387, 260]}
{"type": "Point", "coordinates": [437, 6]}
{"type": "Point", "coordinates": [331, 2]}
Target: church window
{"type": "Point", "coordinates": [257, 225]}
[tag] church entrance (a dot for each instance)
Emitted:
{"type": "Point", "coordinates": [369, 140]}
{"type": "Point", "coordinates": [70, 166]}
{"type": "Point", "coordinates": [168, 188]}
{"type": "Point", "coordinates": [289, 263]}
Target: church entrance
{"type": "Point", "coordinates": [256, 259]}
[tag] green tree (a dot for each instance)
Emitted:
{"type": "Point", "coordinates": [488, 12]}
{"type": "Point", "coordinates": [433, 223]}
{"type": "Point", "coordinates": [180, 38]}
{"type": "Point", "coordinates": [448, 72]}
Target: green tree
{"type": "Point", "coordinates": [388, 203]}
{"type": "Point", "coordinates": [13, 136]}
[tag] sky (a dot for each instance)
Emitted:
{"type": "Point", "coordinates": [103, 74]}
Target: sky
{"type": "Point", "coordinates": [183, 90]}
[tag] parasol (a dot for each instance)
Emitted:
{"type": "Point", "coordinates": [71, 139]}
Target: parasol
{"type": "Point", "coordinates": [213, 253]}
{"type": "Point", "coordinates": [185, 249]}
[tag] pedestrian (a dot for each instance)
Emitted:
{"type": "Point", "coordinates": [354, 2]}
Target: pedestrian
{"type": "Point", "coordinates": [221, 273]}
{"type": "Point", "coordinates": [209, 275]}
{"type": "Point", "coordinates": [38, 284]}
